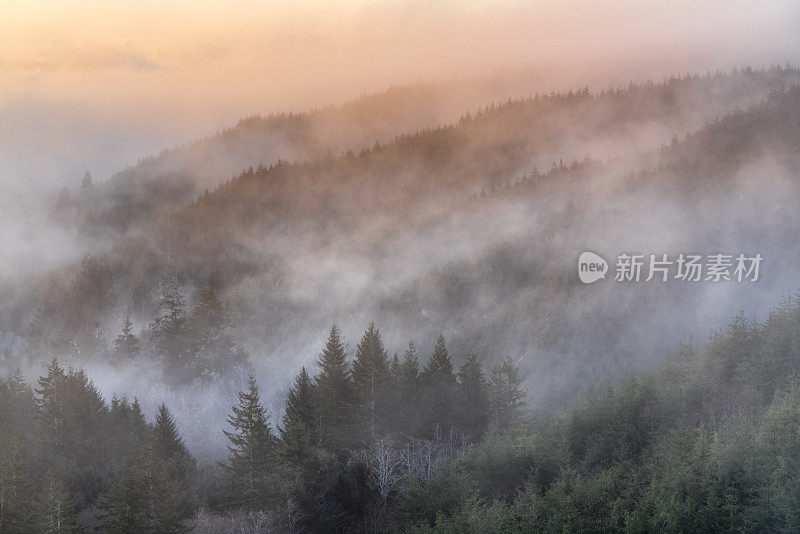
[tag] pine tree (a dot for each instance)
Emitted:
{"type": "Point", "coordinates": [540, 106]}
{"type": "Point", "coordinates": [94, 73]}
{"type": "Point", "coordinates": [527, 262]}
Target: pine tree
{"type": "Point", "coordinates": [72, 429]}
{"type": "Point", "coordinates": [409, 391]}
{"type": "Point", "coordinates": [371, 381]}
{"type": "Point", "coordinates": [19, 405]}
{"type": "Point", "coordinates": [211, 346]}
{"type": "Point", "coordinates": [87, 182]}
{"type": "Point", "coordinates": [506, 396]}
{"type": "Point", "coordinates": [473, 400]}
{"type": "Point", "coordinates": [49, 402]}
{"type": "Point", "coordinates": [334, 399]}
{"type": "Point", "coordinates": [15, 478]}
{"type": "Point", "coordinates": [249, 479]}
{"type": "Point", "coordinates": [126, 346]}
{"type": "Point", "coordinates": [155, 491]}
{"type": "Point", "coordinates": [168, 332]}
{"type": "Point", "coordinates": [439, 384]}
{"type": "Point", "coordinates": [182, 466]}
{"type": "Point", "coordinates": [298, 433]}
{"type": "Point", "coordinates": [53, 510]}
{"type": "Point", "coordinates": [145, 496]}
{"type": "Point", "coordinates": [127, 427]}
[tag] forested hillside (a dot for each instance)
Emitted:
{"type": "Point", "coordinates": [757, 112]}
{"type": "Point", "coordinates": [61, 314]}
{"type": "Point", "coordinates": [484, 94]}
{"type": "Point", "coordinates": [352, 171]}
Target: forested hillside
{"type": "Point", "coordinates": [638, 117]}
{"type": "Point", "coordinates": [708, 441]}
{"type": "Point", "coordinates": [471, 228]}
{"type": "Point", "coordinates": [383, 267]}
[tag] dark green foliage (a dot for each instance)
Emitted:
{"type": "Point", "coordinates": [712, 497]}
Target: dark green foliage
{"type": "Point", "coordinates": [408, 392]}
{"type": "Point", "coordinates": [250, 479]}
{"type": "Point", "coordinates": [505, 394]}
{"type": "Point", "coordinates": [438, 390]}
{"type": "Point", "coordinates": [472, 400]}
{"type": "Point", "coordinates": [71, 437]}
{"type": "Point", "coordinates": [16, 482]}
{"type": "Point", "coordinates": [126, 346]}
{"type": "Point", "coordinates": [168, 329]}
{"type": "Point", "coordinates": [155, 490]}
{"type": "Point", "coordinates": [195, 346]}
{"type": "Point", "coordinates": [334, 393]}
{"type": "Point", "coordinates": [53, 510]}
{"type": "Point", "coordinates": [298, 433]}
{"type": "Point", "coordinates": [673, 450]}
{"type": "Point", "coordinates": [212, 347]}
{"type": "Point", "coordinates": [372, 383]}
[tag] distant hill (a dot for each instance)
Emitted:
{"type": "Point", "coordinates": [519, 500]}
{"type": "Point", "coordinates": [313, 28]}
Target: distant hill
{"type": "Point", "coordinates": [635, 118]}
{"type": "Point", "coordinates": [472, 229]}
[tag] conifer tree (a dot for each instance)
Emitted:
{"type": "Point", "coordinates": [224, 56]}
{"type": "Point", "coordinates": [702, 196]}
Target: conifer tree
{"type": "Point", "coordinates": [146, 496]}
{"type": "Point", "coordinates": [155, 490]}
{"type": "Point", "coordinates": [334, 397]}
{"type": "Point", "coordinates": [210, 345]}
{"type": "Point", "coordinates": [506, 396]}
{"type": "Point", "coordinates": [249, 479]}
{"type": "Point", "coordinates": [87, 182]}
{"type": "Point", "coordinates": [126, 346]}
{"type": "Point", "coordinates": [127, 427]}
{"type": "Point", "coordinates": [15, 481]}
{"type": "Point", "coordinates": [298, 433]}
{"type": "Point", "coordinates": [439, 385]}
{"type": "Point", "coordinates": [53, 509]}
{"type": "Point", "coordinates": [473, 400]}
{"type": "Point", "coordinates": [182, 467]}
{"type": "Point", "coordinates": [19, 405]}
{"type": "Point", "coordinates": [168, 332]}
{"type": "Point", "coordinates": [371, 381]}
{"type": "Point", "coordinates": [408, 391]}
{"type": "Point", "coordinates": [49, 401]}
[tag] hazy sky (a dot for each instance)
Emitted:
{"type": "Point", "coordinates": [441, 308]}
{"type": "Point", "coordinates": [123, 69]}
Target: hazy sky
{"type": "Point", "coordinates": [96, 84]}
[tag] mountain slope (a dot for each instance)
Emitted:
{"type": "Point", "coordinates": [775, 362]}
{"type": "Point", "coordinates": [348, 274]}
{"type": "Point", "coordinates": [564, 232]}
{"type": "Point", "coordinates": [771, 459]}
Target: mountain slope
{"type": "Point", "coordinates": [395, 234]}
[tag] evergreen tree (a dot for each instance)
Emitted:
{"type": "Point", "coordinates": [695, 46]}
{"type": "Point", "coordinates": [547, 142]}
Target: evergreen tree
{"type": "Point", "coordinates": [408, 391]}
{"type": "Point", "coordinates": [212, 348]}
{"type": "Point", "coordinates": [473, 400]}
{"type": "Point", "coordinates": [126, 346]}
{"type": "Point", "coordinates": [127, 427]}
{"type": "Point", "coordinates": [371, 381]}
{"type": "Point", "coordinates": [439, 385]}
{"type": "Point", "coordinates": [49, 402]}
{"type": "Point", "coordinates": [334, 399]}
{"type": "Point", "coordinates": [15, 482]}
{"type": "Point", "coordinates": [19, 405]}
{"type": "Point", "coordinates": [155, 491]}
{"type": "Point", "coordinates": [249, 478]}
{"type": "Point", "coordinates": [146, 496]}
{"type": "Point", "coordinates": [182, 467]}
{"type": "Point", "coordinates": [87, 182]}
{"type": "Point", "coordinates": [53, 510]}
{"type": "Point", "coordinates": [168, 332]}
{"type": "Point", "coordinates": [506, 396]}
{"type": "Point", "coordinates": [298, 433]}
{"type": "Point", "coordinates": [72, 430]}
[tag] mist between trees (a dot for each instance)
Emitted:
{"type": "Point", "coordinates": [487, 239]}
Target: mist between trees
{"type": "Point", "coordinates": [707, 441]}
{"type": "Point", "coordinates": [370, 426]}
{"type": "Point", "coordinates": [202, 303]}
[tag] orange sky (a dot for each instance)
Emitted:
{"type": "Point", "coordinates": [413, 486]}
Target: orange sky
{"type": "Point", "coordinates": [272, 53]}
{"type": "Point", "coordinates": [147, 73]}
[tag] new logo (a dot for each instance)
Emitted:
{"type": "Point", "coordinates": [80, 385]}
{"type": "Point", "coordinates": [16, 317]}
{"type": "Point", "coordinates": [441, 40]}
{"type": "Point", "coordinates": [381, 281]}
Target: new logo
{"type": "Point", "coordinates": [591, 267]}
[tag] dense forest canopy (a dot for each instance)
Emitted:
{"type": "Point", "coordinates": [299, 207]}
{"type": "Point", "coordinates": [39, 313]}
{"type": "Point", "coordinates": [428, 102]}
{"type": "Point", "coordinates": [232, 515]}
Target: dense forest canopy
{"type": "Point", "coordinates": [707, 442]}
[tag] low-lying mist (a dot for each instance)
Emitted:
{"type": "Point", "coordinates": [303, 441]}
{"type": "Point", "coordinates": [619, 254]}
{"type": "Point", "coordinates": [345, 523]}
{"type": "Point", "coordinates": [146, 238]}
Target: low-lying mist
{"type": "Point", "coordinates": [456, 230]}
